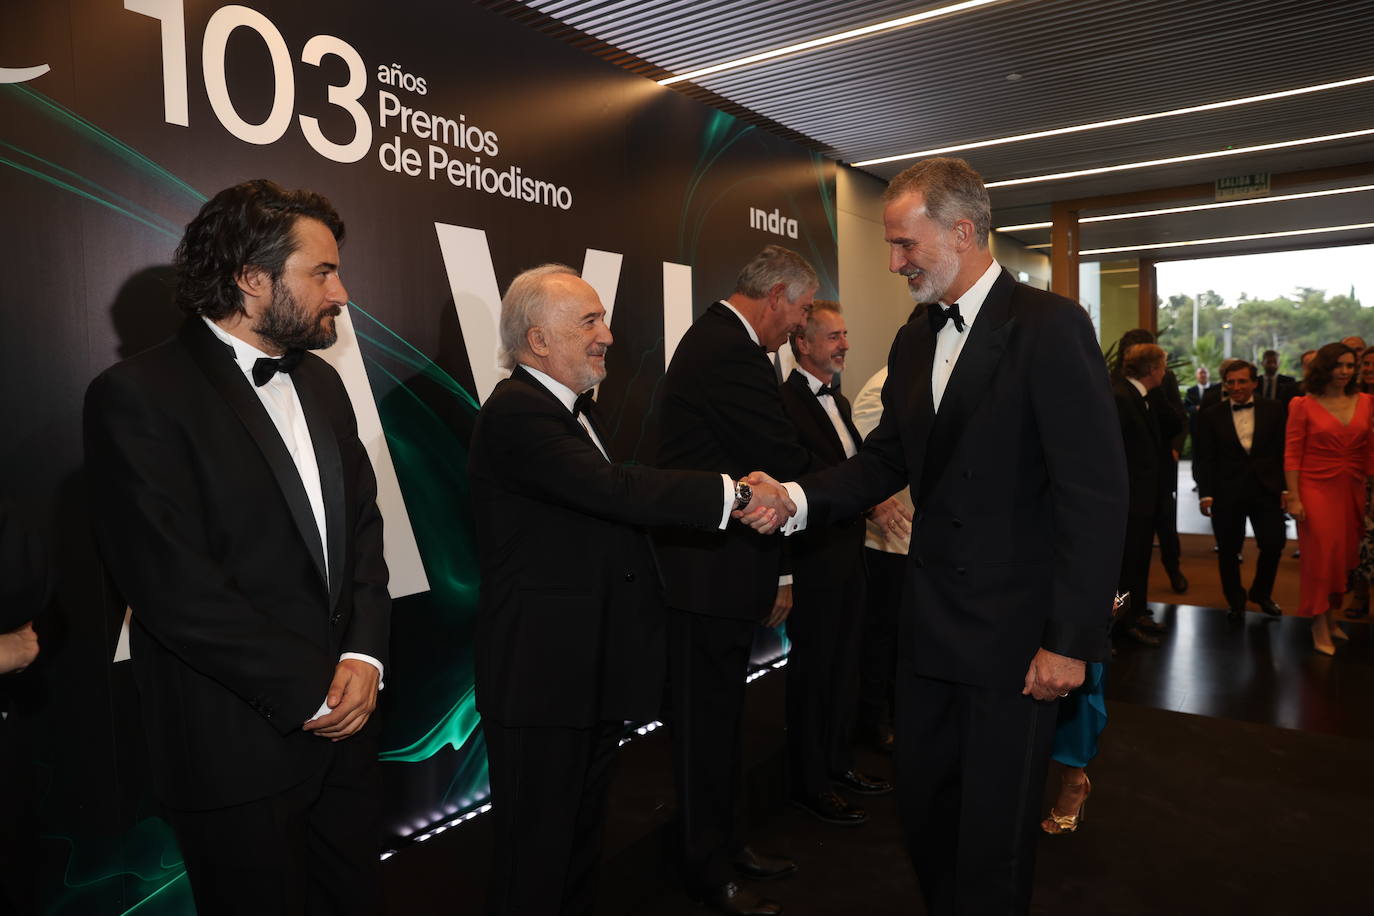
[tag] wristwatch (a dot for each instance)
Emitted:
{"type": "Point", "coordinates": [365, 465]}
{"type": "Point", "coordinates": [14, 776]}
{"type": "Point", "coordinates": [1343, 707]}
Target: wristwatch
{"type": "Point", "coordinates": [743, 494]}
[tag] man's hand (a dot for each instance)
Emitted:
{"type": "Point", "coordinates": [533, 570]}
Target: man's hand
{"type": "Point", "coordinates": [352, 697]}
{"type": "Point", "coordinates": [1204, 506]}
{"type": "Point", "coordinates": [18, 649]}
{"type": "Point", "coordinates": [894, 517]}
{"type": "Point", "coordinates": [782, 606]}
{"type": "Point", "coordinates": [1052, 676]}
{"type": "Point", "coordinates": [769, 506]}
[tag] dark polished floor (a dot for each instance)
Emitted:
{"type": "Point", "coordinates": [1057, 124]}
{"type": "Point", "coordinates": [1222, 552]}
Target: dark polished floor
{"type": "Point", "coordinates": [1236, 759]}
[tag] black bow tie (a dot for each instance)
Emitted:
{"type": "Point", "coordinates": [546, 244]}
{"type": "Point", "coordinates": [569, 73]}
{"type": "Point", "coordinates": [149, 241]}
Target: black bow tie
{"type": "Point", "coordinates": [268, 366]}
{"type": "Point", "coordinates": [584, 403]}
{"type": "Point", "coordinates": [832, 389]}
{"type": "Point", "coordinates": [1250, 406]}
{"type": "Point", "coordinates": [940, 316]}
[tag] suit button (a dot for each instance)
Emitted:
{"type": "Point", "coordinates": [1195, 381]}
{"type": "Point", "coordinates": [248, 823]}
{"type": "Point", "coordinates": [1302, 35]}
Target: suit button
{"type": "Point", "coordinates": [918, 562]}
{"type": "Point", "coordinates": [267, 713]}
{"type": "Point", "coordinates": [629, 577]}
{"type": "Point", "coordinates": [335, 619]}
{"type": "Point", "coordinates": [960, 570]}
{"type": "Point", "coordinates": [958, 523]}
{"type": "Point", "coordinates": [968, 475]}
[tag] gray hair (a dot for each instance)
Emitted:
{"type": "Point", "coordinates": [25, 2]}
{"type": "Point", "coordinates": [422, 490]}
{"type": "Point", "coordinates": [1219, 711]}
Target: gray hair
{"type": "Point", "coordinates": [1141, 359]}
{"type": "Point", "coordinates": [952, 191]}
{"type": "Point", "coordinates": [523, 307]}
{"type": "Point", "coordinates": [817, 306]}
{"type": "Point", "coordinates": [771, 266]}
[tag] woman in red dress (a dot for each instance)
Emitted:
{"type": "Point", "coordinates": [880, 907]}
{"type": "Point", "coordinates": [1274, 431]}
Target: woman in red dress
{"type": "Point", "coordinates": [1329, 455]}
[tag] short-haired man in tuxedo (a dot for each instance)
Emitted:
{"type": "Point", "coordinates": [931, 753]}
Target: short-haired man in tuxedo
{"type": "Point", "coordinates": [1272, 385]}
{"type": "Point", "coordinates": [570, 634]}
{"type": "Point", "coordinates": [1019, 487]}
{"type": "Point", "coordinates": [236, 510]}
{"type": "Point", "coordinates": [1193, 397]}
{"type": "Point", "coordinates": [828, 589]}
{"type": "Point", "coordinates": [1142, 367]}
{"type": "Point", "coordinates": [720, 409]}
{"type": "Point", "coordinates": [1238, 466]}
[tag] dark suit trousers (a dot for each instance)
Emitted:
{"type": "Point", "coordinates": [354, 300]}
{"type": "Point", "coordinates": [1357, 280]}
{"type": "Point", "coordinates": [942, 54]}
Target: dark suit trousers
{"type": "Point", "coordinates": [1228, 524]}
{"type": "Point", "coordinates": [1166, 516]}
{"type": "Point", "coordinates": [971, 765]}
{"type": "Point", "coordinates": [312, 849]}
{"type": "Point", "coordinates": [548, 802]}
{"type": "Point", "coordinates": [708, 658]}
{"type": "Point", "coordinates": [878, 657]}
{"type": "Point", "coordinates": [823, 679]}
{"type": "Point", "coordinates": [1135, 568]}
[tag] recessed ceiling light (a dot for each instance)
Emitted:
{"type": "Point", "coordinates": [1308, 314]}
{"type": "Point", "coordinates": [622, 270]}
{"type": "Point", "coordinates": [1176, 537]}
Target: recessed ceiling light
{"type": "Point", "coordinates": [1172, 160]}
{"type": "Point", "coordinates": [1229, 238]}
{"type": "Point", "coordinates": [898, 23]}
{"type": "Point", "coordinates": [1117, 122]}
{"type": "Point", "coordinates": [1013, 77]}
{"type": "Point", "coordinates": [1137, 214]}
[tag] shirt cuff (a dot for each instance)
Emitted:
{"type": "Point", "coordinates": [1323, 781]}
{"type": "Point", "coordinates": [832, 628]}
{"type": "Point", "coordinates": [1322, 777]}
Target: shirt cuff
{"type": "Point", "coordinates": [784, 580]}
{"type": "Point", "coordinates": [324, 709]}
{"type": "Point", "coordinates": [729, 500]}
{"type": "Point", "coordinates": [798, 521]}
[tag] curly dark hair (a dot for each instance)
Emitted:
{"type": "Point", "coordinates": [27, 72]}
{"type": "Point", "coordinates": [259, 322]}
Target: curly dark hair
{"type": "Point", "coordinates": [1318, 375]}
{"type": "Point", "coordinates": [248, 225]}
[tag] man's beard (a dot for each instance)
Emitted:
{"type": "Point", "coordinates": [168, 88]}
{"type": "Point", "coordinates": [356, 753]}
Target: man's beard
{"type": "Point", "coordinates": [289, 326]}
{"type": "Point", "coordinates": [937, 279]}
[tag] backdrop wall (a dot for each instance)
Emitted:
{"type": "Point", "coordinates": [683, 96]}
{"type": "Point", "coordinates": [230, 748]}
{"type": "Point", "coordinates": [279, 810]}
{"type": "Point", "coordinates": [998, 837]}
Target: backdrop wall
{"type": "Point", "coordinates": [460, 149]}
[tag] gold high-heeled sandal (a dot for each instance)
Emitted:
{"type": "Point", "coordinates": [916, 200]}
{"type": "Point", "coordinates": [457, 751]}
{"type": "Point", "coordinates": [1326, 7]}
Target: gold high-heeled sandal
{"type": "Point", "coordinates": [1057, 823]}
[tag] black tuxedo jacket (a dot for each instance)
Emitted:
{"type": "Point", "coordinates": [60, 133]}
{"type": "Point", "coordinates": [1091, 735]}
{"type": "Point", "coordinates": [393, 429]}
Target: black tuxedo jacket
{"type": "Point", "coordinates": [720, 410]}
{"type": "Point", "coordinates": [1225, 471]}
{"type": "Point", "coordinates": [1141, 438]}
{"type": "Point", "coordinates": [1019, 485]}
{"type": "Point", "coordinates": [830, 553]}
{"type": "Point", "coordinates": [570, 623]}
{"type": "Point", "coordinates": [208, 534]}
{"type": "Point", "coordinates": [1285, 389]}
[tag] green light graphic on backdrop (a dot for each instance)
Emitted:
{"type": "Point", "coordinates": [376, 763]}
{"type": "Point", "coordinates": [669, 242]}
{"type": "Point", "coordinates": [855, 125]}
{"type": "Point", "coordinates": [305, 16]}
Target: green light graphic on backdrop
{"type": "Point", "coordinates": [429, 460]}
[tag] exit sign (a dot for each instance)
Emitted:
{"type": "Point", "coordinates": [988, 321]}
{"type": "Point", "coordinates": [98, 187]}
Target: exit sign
{"type": "Point", "coordinates": [1243, 187]}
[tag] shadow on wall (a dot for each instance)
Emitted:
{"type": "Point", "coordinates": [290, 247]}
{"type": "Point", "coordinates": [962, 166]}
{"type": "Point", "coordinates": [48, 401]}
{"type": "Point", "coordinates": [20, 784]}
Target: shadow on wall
{"type": "Point", "coordinates": [144, 312]}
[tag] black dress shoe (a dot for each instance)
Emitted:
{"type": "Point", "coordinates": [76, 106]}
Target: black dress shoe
{"type": "Point", "coordinates": [737, 900]}
{"type": "Point", "coordinates": [761, 866]}
{"type": "Point", "coordinates": [1178, 581]}
{"type": "Point", "coordinates": [855, 781]}
{"type": "Point", "coordinates": [1150, 626]}
{"type": "Point", "coordinates": [1235, 614]}
{"type": "Point", "coordinates": [831, 808]}
{"type": "Point", "coordinates": [1140, 636]}
{"type": "Point", "coordinates": [1268, 606]}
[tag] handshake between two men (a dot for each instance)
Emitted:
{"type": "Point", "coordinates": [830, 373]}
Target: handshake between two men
{"type": "Point", "coordinates": [771, 505]}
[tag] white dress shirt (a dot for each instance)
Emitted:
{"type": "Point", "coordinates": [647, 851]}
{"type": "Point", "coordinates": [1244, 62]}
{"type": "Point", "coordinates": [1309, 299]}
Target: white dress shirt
{"type": "Point", "coordinates": [568, 398]}
{"type": "Point", "coordinates": [832, 410]}
{"type": "Point", "coordinates": [283, 405]}
{"type": "Point", "coordinates": [1144, 392]}
{"type": "Point", "coordinates": [949, 343]}
{"type": "Point", "coordinates": [1244, 421]}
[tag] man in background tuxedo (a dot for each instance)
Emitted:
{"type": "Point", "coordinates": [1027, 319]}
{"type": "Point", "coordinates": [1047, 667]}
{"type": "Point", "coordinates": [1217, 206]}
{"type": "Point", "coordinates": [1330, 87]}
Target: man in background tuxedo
{"type": "Point", "coordinates": [570, 634]}
{"type": "Point", "coordinates": [1276, 387]}
{"type": "Point", "coordinates": [235, 509]}
{"type": "Point", "coordinates": [1019, 487]}
{"type": "Point", "coordinates": [1238, 466]}
{"type": "Point", "coordinates": [1142, 368]}
{"type": "Point", "coordinates": [720, 410]}
{"type": "Point", "coordinates": [1194, 396]}
{"type": "Point", "coordinates": [829, 589]}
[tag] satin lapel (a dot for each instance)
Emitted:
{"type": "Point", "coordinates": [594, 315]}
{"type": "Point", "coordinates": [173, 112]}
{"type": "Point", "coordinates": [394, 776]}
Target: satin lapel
{"type": "Point", "coordinates": [819, 418]}
{"type": "Point", "coordinates": [524, 377]}
{"type": "Point", "coordinates": [325, 440]}
{"type": "Point", "coordinates": [971, 379]}
{"type": "Point", "coordinates": [847, 414]}
{"type": "Point", "coordinates": [217, 362]}
{"type": "Point", "coordinates": [922, 396]}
